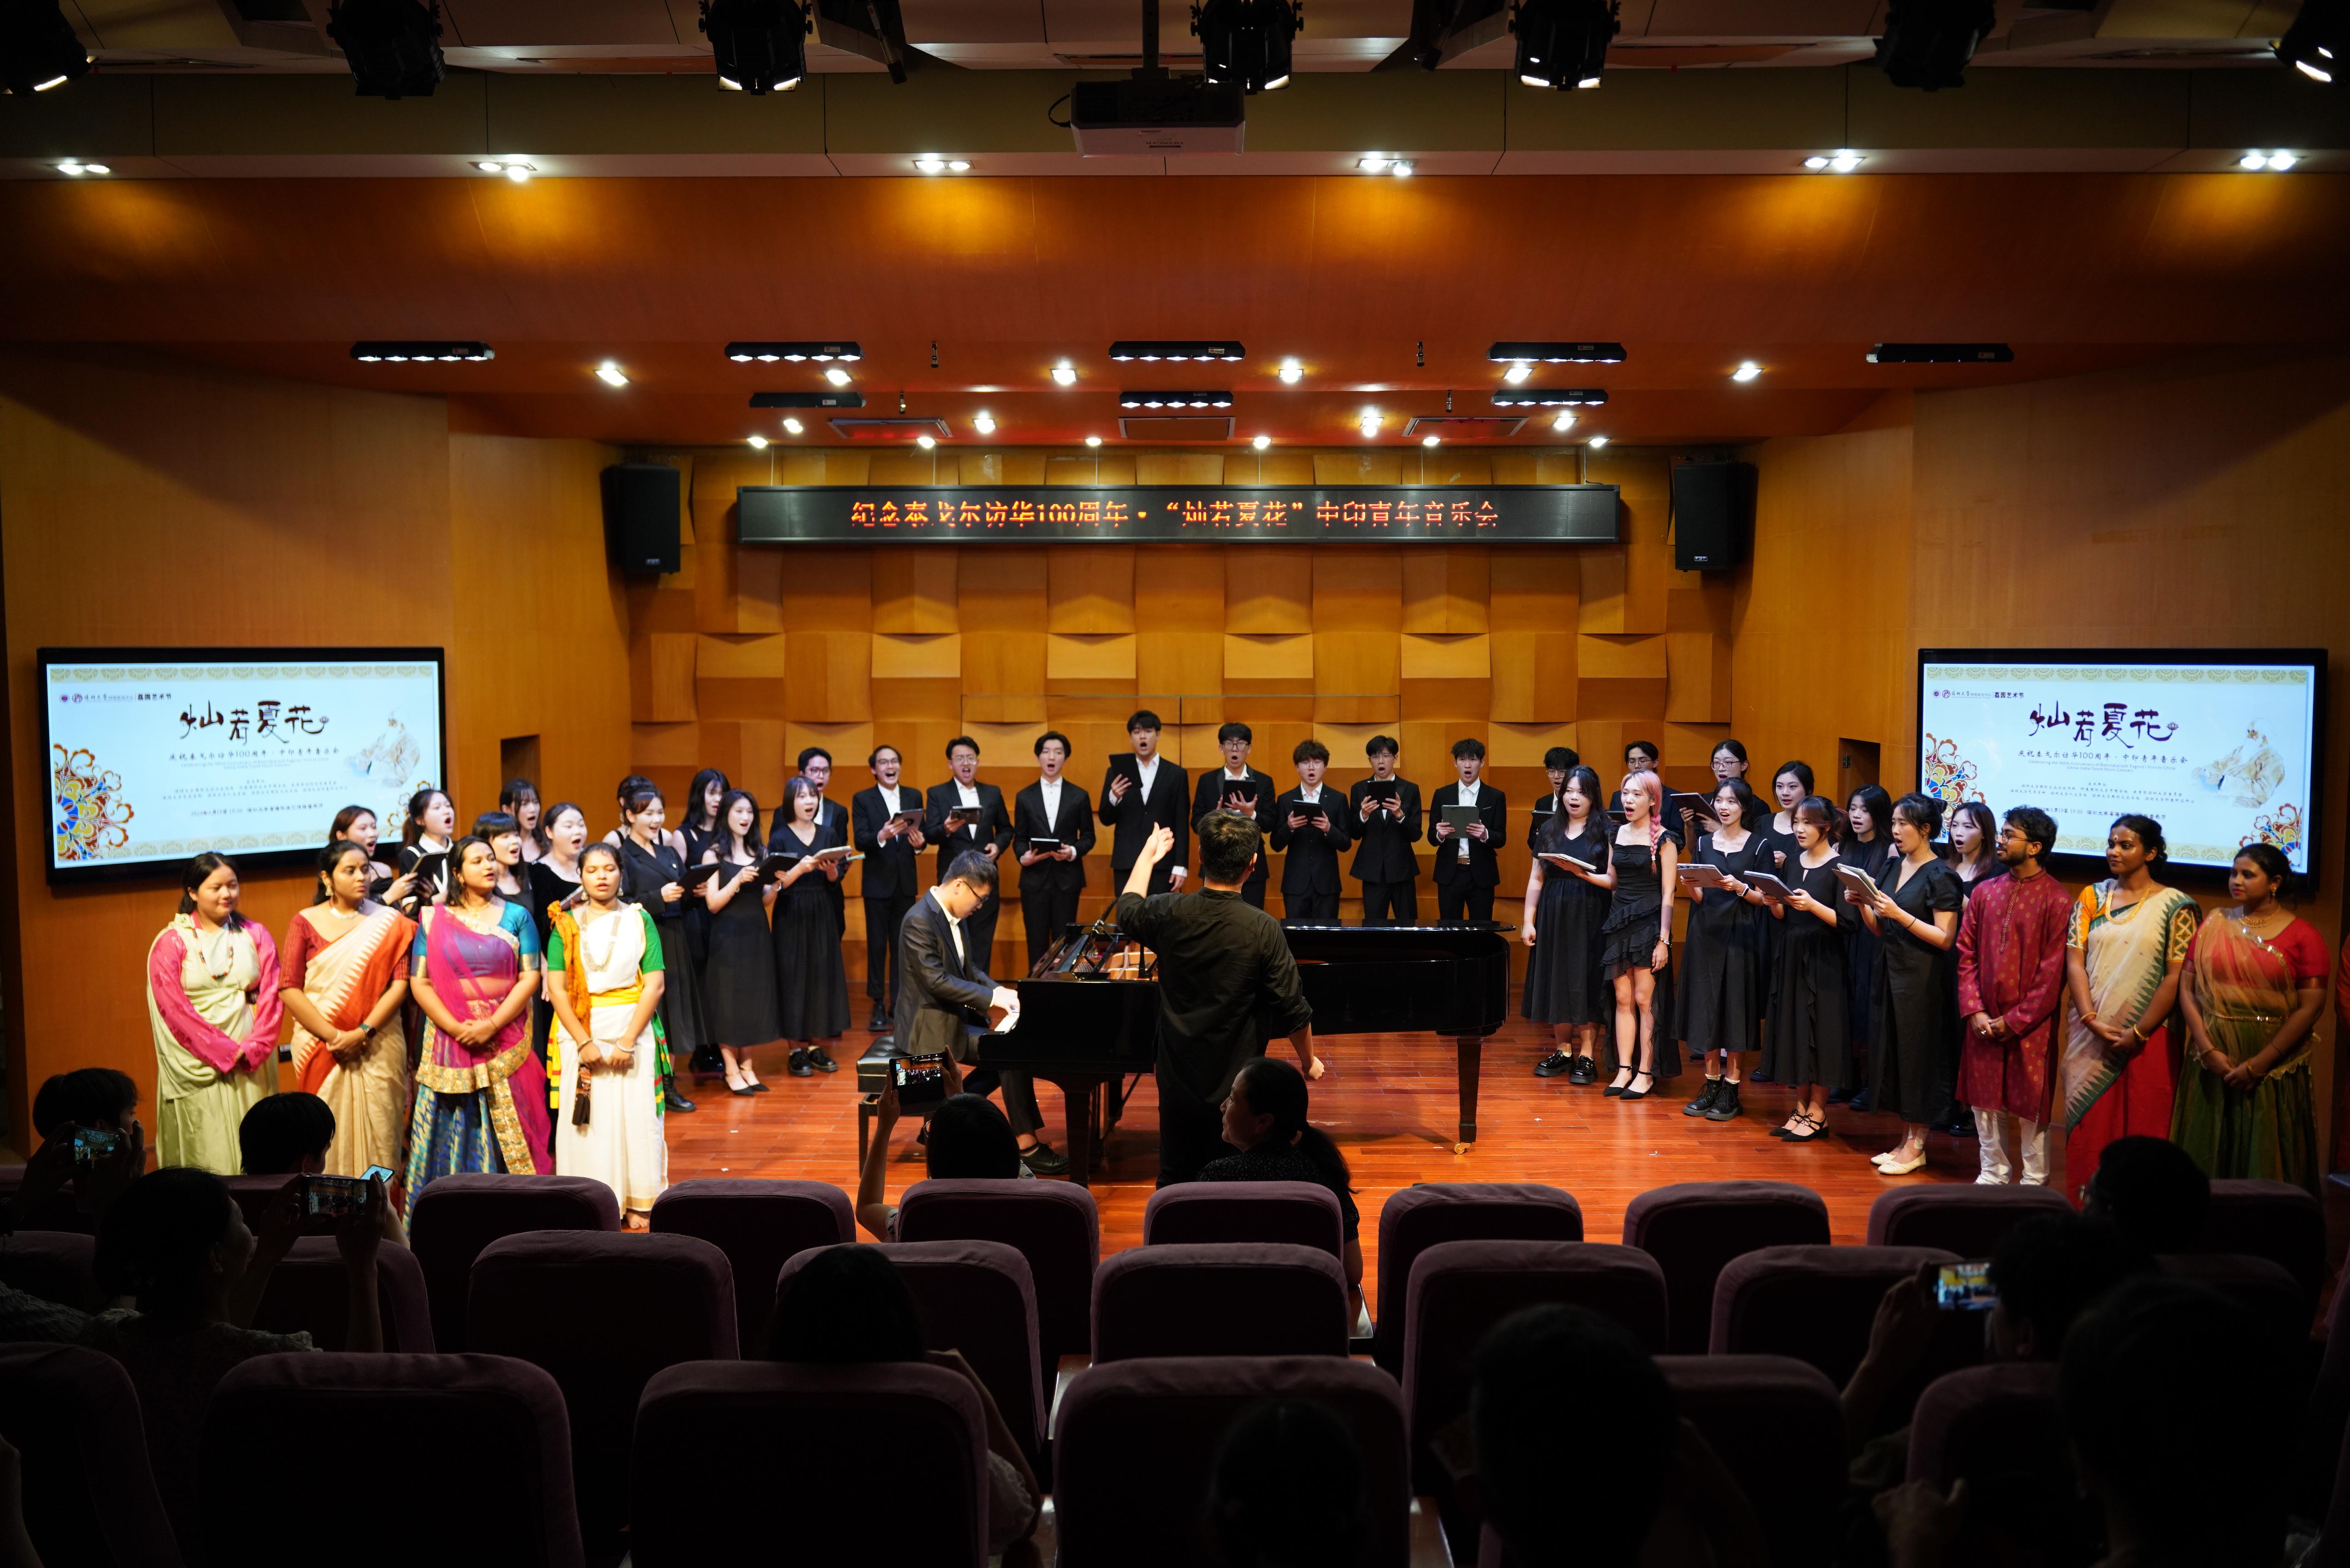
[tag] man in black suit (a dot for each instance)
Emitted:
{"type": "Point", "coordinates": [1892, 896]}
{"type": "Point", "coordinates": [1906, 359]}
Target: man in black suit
{"type": "Point", "coordinates": [1386, 810]}
{"type": "Point", "coordinates": [815, 766]}
{"type": "Point", "coordinates": [947, 1001]}
{"type": "Point", "coordinates": [987, 830]}
{"type": "Point", "coordinates": [1466, 869]}
{"type": "Point", "coordinates": [1310, 825]}
{"type": "Point", "coordinates": [1141, 793]}
{"type": "Point", "coordinates": [892, 876]}
{"type": "Point", "coordinates": [1237, 786]}
{"type": "Point", "coordinates": [1051, 875]}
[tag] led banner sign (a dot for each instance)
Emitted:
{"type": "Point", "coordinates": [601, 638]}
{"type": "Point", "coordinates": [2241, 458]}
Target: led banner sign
{"type": "Point", "coordinates": [1150, 514]}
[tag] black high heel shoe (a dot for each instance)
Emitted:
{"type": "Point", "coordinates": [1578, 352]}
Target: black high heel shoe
{"type": "Point", "coordinates": [1814, 1130]}
{"type": "Point", "coordinates": [1632, 1094]}
{"type": "Point", "coordinates": [1614, 1091]}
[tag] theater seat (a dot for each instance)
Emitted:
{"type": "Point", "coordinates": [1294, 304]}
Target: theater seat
{"type": "Point", "coordinates": [1777, 1425]}
{"type": "Point", "coordinates": [1693, 1227]}
{"type": "Point", "coordinates": [1818, 1305]}
{"type": "Point", "coordinates": [58, 1211]}
{"type": "Point", "coordinates": [1053, 1224]}
{"type": "Point", "coordinates": [759, 1225]}
{"type": "Point", "coordinates": [2262, 1284]}
{"type": "Point", "coordinates": [915, 1435]}
{"type": "Point", "coordinates": [306, 1294]}
{"type": "Point", "coordinates": [1135, 1447]}
{"type": "Point", "coordinates": [1297, 1213]}
{"type": "Point", "coordinates": [55, 1265]}
{"type": "Point", "coordinates": [601, 1312]}
{"type": "Point", "coordinates": [1220, 1298]}
{"type": "Point", "coordinates": [457, 1216]}
{"type": "Point", "coordinates": [255, 1194]}
{"type": "Point", "coordinates": [1423, 1216]}
{"type": "Point", "coordinates": [90, 1494]}
{"type": "Point", "coordinates": [1981, 1421]}
{"type": "Point", "coordinates": [2272, 1219]}
{"type": "Point", "coordinates": [1963, 1218]}
{"type": "Point", "coordinates": [389, 1459]}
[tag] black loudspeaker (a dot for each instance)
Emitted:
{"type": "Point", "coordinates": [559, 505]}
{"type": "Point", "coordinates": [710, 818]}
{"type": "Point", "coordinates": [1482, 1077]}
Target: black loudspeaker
{"type": "Point", "coordinates": [641, 517]}
{"type": "Point", "coordinates": [1714, 514]}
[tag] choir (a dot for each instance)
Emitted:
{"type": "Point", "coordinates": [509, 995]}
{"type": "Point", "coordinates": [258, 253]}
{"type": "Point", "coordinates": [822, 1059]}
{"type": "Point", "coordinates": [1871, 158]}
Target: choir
{"type": "Point", "coordinates": [513, 999]}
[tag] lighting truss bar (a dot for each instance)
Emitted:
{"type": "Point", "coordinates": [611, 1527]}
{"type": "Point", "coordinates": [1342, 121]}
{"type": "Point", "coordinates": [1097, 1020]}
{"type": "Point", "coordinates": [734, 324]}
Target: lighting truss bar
{"type": "Point", "coordinates": [399, 351]}
{"type": "Point", "coordinates": [1558, 353]}
{"type": "Point", "coordinates": [808, 399]}
{"type": "Point", "coordinates": [1174, 399]}
{"type": "Point", "coordinates": [1941, 354]}
{"type": "Point", "coordinates": [1177, 349]}
{"type": "Point", "coordinates": [795, 353]}
{"type": "Point", "coordinates": [1549, 398]}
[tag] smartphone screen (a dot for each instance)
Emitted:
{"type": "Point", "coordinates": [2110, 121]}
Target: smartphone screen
{"type": "Point", "coordinates": [332, 1197]}
{"type": "Point", "coordinates": [1965, 1287]}
{"type": "Point", "coordinates": [383, 1173]}
{"type": "Point", "coordinates": [91, 1145]}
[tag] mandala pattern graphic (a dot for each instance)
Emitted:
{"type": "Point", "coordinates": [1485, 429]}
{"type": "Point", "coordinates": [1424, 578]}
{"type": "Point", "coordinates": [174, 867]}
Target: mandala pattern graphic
{"type": "Point", "coordinates": [92, 817]}
{"type": "Point", "coordinates": [2281, 827]}
{"type": "Point", "coordinates": [1947, 776]}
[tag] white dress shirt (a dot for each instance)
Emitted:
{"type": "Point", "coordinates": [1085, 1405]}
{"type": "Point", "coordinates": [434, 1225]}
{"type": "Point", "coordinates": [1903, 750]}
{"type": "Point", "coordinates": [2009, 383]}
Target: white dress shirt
{"type": "Point", "coordinates": [1149, 770]}
{"type": "Point", "coordinates": [954, 927]}
{"type": "Point", "coordinates": [1051, 790]}
{"type": "Point", "coordinates": [889, 798]}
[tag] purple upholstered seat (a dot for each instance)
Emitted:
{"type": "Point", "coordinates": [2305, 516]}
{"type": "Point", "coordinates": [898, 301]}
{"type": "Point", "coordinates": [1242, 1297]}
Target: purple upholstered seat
{"type": "Point", "coordinates": [1220, 1298]}
{"type": "Point", "coordinates": [1136, 1444]}
{"type": "Point", "coordinates": [90, 1495]}
{"type": "Point", "coordinates": [915, 1433]}
{"type": "Point", "coordinates": [2262, 1284]}
{"type": "Point", "coordinates": [601, 1312]}
{"type": "Point", "coordinates": [457, 1216]}
{"type": "Point", "coordinates": [978, 1298]}
{"type": "Point", "coordinates": [759, 1225]}
{"type": "Point", "coordinates": [1963, 1218]}
{"type": "Point", "coordinates": [1693, 1227]}
{"type": "Point", "coordinates": [1982, 1419]}
{"type": "Point", "coordinates": [55, 1265]}
{"type": "Point", "coordinates": [1817, 1304]}
{"type": "Point", "coordinates": [255, 1194]}
{"type": "Point", "coordinates": [1459, 1290]}
{"type": "Point", "coordinates": [1298, 1213]}
{"type": "Point", "coordinates": [306, 1294]}
{"type": "Point", "coordinates": [1424, 1215]}
{"type": "Point", "coordinates": [1053, 1224]}
{"type": "Point", "coordinates": [306, 1419]}
{"type": "Point", "coordinates": [2272, 1219]}
{"type": "Point", "coordinates": [58, 1211]}
{"type": "Point", "coordinates": [1778, 1426]}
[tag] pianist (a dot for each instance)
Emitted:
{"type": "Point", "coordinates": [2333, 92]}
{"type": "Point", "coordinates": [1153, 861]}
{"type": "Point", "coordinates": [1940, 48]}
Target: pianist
{"type": "Point", "coordinates": [1226, 984]}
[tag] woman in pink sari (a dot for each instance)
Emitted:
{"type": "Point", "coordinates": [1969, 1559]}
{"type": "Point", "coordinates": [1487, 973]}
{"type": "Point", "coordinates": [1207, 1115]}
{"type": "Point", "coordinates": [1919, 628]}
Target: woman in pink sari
{"type": "Point", "coordinates": [480, 1094]}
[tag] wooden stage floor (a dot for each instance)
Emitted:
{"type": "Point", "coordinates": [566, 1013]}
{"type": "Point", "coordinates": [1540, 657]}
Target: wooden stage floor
{"type": "Point", "coordinates": [1389, 1101]}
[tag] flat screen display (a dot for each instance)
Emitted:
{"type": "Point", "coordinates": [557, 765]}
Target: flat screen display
{"type": "Point", "coordinates": [2220, 745]}
{"type": "Point", "coordinates": [159, 753]}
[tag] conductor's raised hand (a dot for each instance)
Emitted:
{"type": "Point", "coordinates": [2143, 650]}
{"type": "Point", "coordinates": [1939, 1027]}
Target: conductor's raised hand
{"type": "Point", "coordinates": [1161, 840]}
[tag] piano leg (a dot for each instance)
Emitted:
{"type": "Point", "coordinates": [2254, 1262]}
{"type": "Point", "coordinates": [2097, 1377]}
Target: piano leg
{"type": "Point", "coordinates": [1078, 1100]}
{"type": "Point", "coordinates": [1472, 1056]}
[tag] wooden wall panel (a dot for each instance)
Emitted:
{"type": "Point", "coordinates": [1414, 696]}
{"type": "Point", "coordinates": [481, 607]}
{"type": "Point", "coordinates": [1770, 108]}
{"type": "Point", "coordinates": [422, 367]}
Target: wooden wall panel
{"type": "Point", "coordinates": [1091, 592]}
{"type": "Point", "coordinates": [1268, 590]}
{"type": "Point", "coordinates": [1447, 590]}
{"type": "Point", "coordinates": [660, 677]}
{"type": "Point", "coordinates": [913, 589]}
{"type": "Point", "coordinates": [832, 677]}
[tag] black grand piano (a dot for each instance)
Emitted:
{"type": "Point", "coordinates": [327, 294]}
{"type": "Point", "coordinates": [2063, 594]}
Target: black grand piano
{"type": "Point", "coordinates": [1089, 1009]}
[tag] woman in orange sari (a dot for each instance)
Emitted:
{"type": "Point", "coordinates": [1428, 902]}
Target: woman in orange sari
{"type": "Point", "coordinates": [345, 973]}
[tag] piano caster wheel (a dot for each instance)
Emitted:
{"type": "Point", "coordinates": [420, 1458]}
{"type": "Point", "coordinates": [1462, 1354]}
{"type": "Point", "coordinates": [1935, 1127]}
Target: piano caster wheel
{"type": "Point", "coordinates": [1461, 1148]}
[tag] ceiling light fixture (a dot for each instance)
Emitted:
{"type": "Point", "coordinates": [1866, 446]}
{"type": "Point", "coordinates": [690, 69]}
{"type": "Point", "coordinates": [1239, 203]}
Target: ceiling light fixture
{"type": "Point", "coordinates": [1176, 349]}
{"type": "Point", "coordinates": [926, 441]}
{"type": "Point", "coordinates": [1517, 372]}
{"type": "Point", "coordinates": [519, 171]}
{"type": "Point", "coordinates": [2319, 34]}
{"type": "Point", "coordinates": [393, 45]}
{"type": "Point", "coordinates": [1372, 164]}
{"type": "Point", "coordinates": [808, 399]}
{"type": "Point", "coordinates": [1844, 161]}
{"type": "Point", "coordinates": [1595, 442]}
{"type": "Point", "coordinates": [758, 443]}
{"type": "Point", "coordinates": [1195, 399]}
{"type": "Point", "coordinates": [1563, 43]}
{"type": "Point", "coordinates": [1093, 441]}
{"type": "Point", "coordinates": [1260, 442]}
{"type": "Point", "coordinates": [1544, 353]}
{"type": "Point", "coordinates": [797, 353]}
{"type": "Point", "coordinates": [1064, 374]}
{"type": "Point", "coordinates": [38, 48]}
{"type": "Point", "coordinates": [2275, 163]}
{"type": "Point", "coordinates": [1292, 372]}
{"type": "Point", "coordinates": [1551, 397]}
{"type": "Point", "coordinates": [75, 166]}
{"type": "Point", "coordinates": [395, 351]}
{"type": "Point", "coordinates": [1564, 422]}
{"type": "Point", "coordinates": [1401, 168]}
{"type": "Point", "coordinates": [1941, 354]}
{"type": "Point", "coordinates": [983, 422]}
{"type": "Point", "coordinates": [1747, 370]}
{"type": "Point", "coordinates": [835, 375]}
{"type": "Point", "coordinates": [761, 46]}
{"type": "Point", "coordinates": [1247, 43]}
{"type": "Point", "coordinates": [793, 427]}
{"type": "Point", "coordinates": [1928, 43]}
{"type": "Point", "coordinates": [1816, 161]}
{"type": "Point", "coordinates": [1368, 421]}
{"type": "Point", "coordinates": [610, 374]}
{"type": "Point", "coordinates": [1431, 440]}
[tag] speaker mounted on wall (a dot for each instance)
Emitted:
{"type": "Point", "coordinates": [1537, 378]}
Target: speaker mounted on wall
{"type": "Point", "coordinates": [640, 517]}
{"type": "Point", "coordinates": [1714, 514]}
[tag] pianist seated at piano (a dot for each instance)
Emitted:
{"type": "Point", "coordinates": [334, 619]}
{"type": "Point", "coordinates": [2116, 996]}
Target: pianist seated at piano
{"type": "Point", "coordinates": [967, 1138]}
{"type": "Point", "coordinates": [1265, 1122]}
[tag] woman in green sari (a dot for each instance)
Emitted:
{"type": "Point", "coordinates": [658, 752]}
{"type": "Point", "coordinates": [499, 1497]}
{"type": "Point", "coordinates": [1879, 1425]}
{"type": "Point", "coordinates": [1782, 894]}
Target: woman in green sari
{"type": "Point", "coordinates": [2255, 985]}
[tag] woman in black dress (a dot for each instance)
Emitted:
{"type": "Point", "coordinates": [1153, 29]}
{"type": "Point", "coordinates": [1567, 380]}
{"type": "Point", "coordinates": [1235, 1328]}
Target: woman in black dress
{"type": "Point", "coordinates": [429, 830]}
{"type": "Point", "coordinates": [1724, 985]}
{"type": "Point", "coordinates": [1916, 919]}
{"type": "Point", "coordinates": [1866, 848]}
{"type": "Point", "coordinates": [696, 831]}
{"type": "Point", "coordinates": [1635, 942]}
{"type": "Point", "coordinates": [554, 878]}
{"type": "Point", "coordinates": [653, 877]}
{"type": "Point", "coordinates": [738, 985]}
{"type": "Point", "coordinates": [811, 983]}
{"type": "Point", "coordinates": [1566, 905]}
{"type": "Point", "coordinates": [1809, 1047]}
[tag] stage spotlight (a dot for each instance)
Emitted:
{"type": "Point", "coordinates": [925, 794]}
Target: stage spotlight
{"type": "Point", "coordinates": [1595, 442]}
{"type": "Point", "coordinates": [1565, 422]}
{"type": "Point", "coordinates": [1563, 43]}
{"type": "Point", "coordinates": [1246, 41]}
{"type": "Point", "coordinates": [1747, 370]}
{"type": "Point", "coordinates": [38, 48]}
{"type": "Point", "coordinates": [758, 443]}
{"type": "Point", "coordinates": [393, 45]}
{"type": "Point", "coordinates": [611, 375]}
{"type": "Point", "coordinates": [1260, 442]}
{"type": "Point", "coordinates": [983, 422]}
{"type": "Point", "coordinates": [1292, 372]}
{"type": "Point", "coordinates": [1928, 43]}
{"type": "Point", "coordinates": [793, 427]}
{"type": "Point", "coordinates": [835, 375]}
{"type": "Point", "coordinates": [1064, 374]}
{"type": "Point", "coordinates": [2318, 38]}
{"type": "Point", "coordinates": [926, 441]}
{"type": "Point", "coordinates": [1093, 441]}
{"type": "Point", "coordinates": [761, 45]}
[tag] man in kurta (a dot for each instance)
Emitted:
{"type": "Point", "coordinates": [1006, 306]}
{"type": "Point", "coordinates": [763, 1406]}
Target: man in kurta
{"type": "Point", "coordinates": [2010, 980]}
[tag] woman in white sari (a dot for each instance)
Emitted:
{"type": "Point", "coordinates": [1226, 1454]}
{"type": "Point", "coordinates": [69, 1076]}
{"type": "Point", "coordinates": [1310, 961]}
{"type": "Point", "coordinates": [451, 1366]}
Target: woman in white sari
{"type": "Point", "coordinates": [605, 980]}
{"type": "Point", "coordinates": [212, 1001]}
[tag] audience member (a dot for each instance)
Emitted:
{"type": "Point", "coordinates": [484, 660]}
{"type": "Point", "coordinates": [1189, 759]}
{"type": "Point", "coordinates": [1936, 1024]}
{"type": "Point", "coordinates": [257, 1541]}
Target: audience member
{"type": "Point", "coordinates": [177, 1243]}
{"type": "Point", "coordinates": [2151, 1190]}
{"type": "Point", "coordinates": [1289, 1490]}
{"type": "Point", "coordinates": [97, 1097]}
{"type": "Point", "coordinates": [848, 1307]}
{"type": "Point", "coordinates": [24, 1317]}
{"type": "Point", "coordinates": [1265, 1119]}
{"type": "Point", "coordinates": [290, 1135]}
{"type": "Point", "coordinates": [966, 1137]}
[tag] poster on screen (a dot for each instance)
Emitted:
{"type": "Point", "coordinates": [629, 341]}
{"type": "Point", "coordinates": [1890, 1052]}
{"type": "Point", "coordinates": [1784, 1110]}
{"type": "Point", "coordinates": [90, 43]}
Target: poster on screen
{"type": "Point", "coordinates": [156, 754]}
{"type": "Point", "coordinates": [2218, 747]}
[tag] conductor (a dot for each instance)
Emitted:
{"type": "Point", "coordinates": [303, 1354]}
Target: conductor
{"type": "Point", "coordinates": [1226, 985]}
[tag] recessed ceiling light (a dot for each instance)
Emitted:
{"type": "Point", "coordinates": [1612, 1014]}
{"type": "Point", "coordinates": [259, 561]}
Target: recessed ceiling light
{"type": "Point", "coordinates": [797, 352]}
{"type": "Point", "coordinates": [2276, 162]}
{"type": "Point", "coordinates": [1372, 164]}
{"type": "Point", "coordinates": [983, 422]}
{"type": "Point", "coordinates": [931, 165]}
{"type": "Point", "coordinates": [1429, 440]}
{"type": "Point", "coordinates": [1191, 399]}
{"type": "Point", "coordinates": [1292, 371]}
{"type": "Point", "coordinates": [1747, 370]}
{"type": "Point", "coordinates": [1260, 442]}
{"type": "Point", "coordinates": [1844, 161]}
{"type": "Point", "coordinates": [957, 166]}
{"type": "Point", "coordinates": [835, 375]}
{"type": "Point", "coordinates": [519, 173]}
{"type": "Point", "coordinates": [610, 374]}
{"type": "Point", "coordinates": [1368, 421]}
{"type": "Point", "coordinates": [1176, 349]}
{"type": "Point", "coordinates": [793, 427]}
{"type": "Point", "coordinates": [1597, 442]}
{"type": "Point", "coordinates": [397, 352]}
{"type": "Point", "coordinates": [76, 166]}
{"type": "Point", "coordinates": [1401, 168]}
{"type": "Point", "coordinates": [758, 443]}
{"type": "Point", "coordinates": [1064, 374]}
{"type": "Point", "coordinates": [926, 441]}
{"type": "Point", "coordinates": [1815, 161]}
{"type": "Point", "coordinates": [489, 166]}
{"type": "Point", "coordinates": [1517, 373]}
{"type": "Point", "coordinates": [1565, 422]}
{"type": "Point", "coordinates": [1093, 441]}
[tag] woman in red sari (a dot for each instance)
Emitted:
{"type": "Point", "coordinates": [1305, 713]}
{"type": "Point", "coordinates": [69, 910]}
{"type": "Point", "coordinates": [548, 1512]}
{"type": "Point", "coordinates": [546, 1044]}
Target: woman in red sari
{"type": "Point", "coordinates": [480, 1094]}
{"type": "Point", "coordinates": [345, 973]}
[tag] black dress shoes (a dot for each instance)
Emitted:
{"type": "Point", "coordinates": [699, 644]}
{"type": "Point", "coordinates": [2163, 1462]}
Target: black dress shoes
{"type": "Point", "coordinates": [672, 1100]}
{"type": "Point", "coordinates": [821, 1060]}
{"type": "Point", "coordinates": [801, 1067]}
{"type": "Point", "coordinates": [879, 1024]}
{"type": "Point", "coordinates": [1585, 1072]}
{"type": "Point", "coordinates": [1551, 1065]}
{"type": "Point", "coordinates": [1045, 1160]}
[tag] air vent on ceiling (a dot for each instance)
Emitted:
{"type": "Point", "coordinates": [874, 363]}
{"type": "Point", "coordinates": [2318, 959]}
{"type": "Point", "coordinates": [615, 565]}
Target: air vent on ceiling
{"type": "Point", "coordinates": [889, 428]}
{"type": "Point", "coordinates": [1464, 427]}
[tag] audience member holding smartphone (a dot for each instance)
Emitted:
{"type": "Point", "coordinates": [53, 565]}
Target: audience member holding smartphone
{"type": "Point", "coordinates": [97, 1161]}
{"type": "Point", "coordinates": [966, 1138]}
{"type": "Point", "coordinates": [290, 1135]}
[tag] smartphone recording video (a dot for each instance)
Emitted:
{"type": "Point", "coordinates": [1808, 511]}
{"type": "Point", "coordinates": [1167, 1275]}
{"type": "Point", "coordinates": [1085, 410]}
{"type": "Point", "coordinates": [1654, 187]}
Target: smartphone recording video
{"type": "Point", "coordinates": [1965, 1287]}
{"type": "Point", "coordinates": [91, 1145]}
{"type": "Point", "coordinates": [920, 1080]}
{"type": "Point", "coordinates": [332, 1197]}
